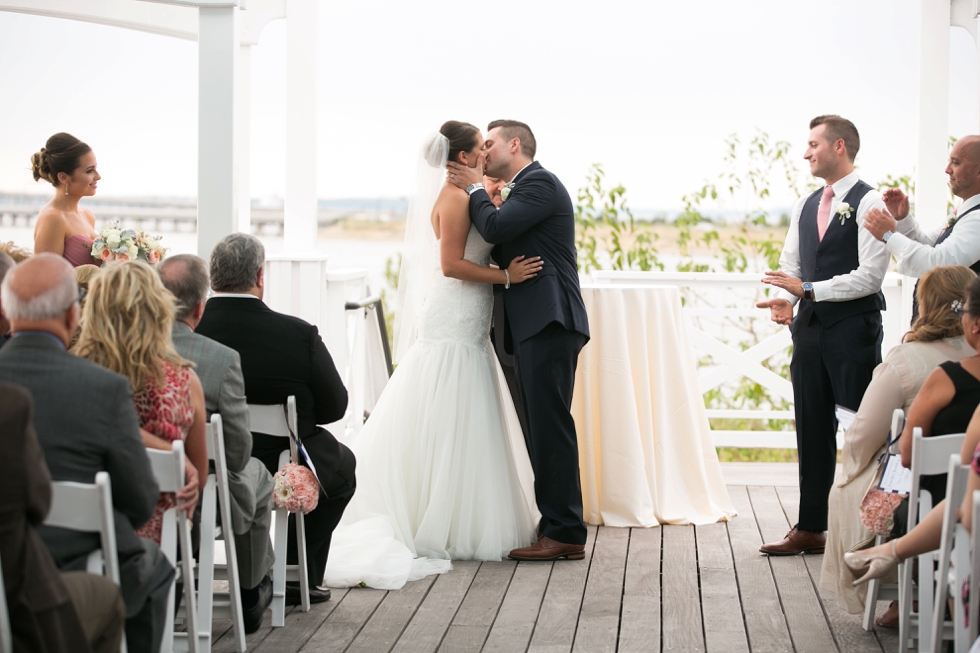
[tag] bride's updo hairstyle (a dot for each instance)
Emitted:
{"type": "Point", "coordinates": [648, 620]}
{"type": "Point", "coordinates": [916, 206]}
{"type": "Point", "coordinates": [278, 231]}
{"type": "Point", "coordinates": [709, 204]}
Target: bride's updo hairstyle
{"type": "Point", "coordinates": [60, 154]}
{"type": "Point", "coordinates": [937, 291]}
{"type": "Point", "coordinates": [461, 135]}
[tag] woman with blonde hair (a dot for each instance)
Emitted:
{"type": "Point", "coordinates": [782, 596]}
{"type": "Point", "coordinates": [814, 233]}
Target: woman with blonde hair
{"type": "Point", "coordinates": [936, 336]}
{"type": "Point", "coordinates": [125, 327]}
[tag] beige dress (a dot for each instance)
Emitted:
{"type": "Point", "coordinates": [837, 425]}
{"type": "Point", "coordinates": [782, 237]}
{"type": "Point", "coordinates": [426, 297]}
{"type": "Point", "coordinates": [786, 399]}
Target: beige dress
{"type": "Point", "coordinates": [894, 385]}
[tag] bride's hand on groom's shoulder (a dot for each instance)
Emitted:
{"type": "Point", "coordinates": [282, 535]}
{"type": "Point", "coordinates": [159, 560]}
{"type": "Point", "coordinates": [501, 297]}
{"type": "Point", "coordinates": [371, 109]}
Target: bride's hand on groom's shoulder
{"type": "Point", "coordinates": [462, 176]}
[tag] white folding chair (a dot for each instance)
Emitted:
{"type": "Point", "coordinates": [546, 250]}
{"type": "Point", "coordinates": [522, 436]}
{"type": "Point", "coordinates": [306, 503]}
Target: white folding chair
{"type": "Point", "coordinates": [6, 638]}
{"type": "Point", "coordinates": [930, 456]}
{"type": "Point", "coordinates": [216, 496]}
{"type": "Point", "coordinates": [878, 591]}
{"type": "Point", "coordinates": [168, 468]}
{"type": "Point", "coordinates": [280, 420]}
{"type": "Point", "coordinates": [87, 508]}
{"type": "Point", "coordinates": [975, 570]}
{"type": "Point", "coordinates": [954, 563]}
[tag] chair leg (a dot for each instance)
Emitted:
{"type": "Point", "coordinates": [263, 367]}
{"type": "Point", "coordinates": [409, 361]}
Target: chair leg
{"type": "Point", "coordinates": [205, 566]}
{"type": "Point", "coordinates": [870, 605]}
{"type": "Point", "coordinates": [234, 585]}
{"type": "Point", "coordinates": [904, 605]}
{"type": "Point", "coordinates": [302, 568]}
{"type": "Point", "coordinates": [280, 531]}
{"type": "Point", "coordinates": [187, 573]}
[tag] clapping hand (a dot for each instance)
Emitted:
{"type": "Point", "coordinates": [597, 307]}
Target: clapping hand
{"type": "Point", "coordinates": [792, 285]}
{"type": "Point", "coordinates": [780, 310]}
{"type": "Point", "coordinates": [879, 223]}
{"type": "Point", "coordinates": [896, 202]}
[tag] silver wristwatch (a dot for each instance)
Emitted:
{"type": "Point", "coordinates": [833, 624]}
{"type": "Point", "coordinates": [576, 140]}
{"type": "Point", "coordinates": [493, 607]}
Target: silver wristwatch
{"type": "Point", "coordinates": [886, 236]}
{"type": "Point", "coordinates": [472, 188]}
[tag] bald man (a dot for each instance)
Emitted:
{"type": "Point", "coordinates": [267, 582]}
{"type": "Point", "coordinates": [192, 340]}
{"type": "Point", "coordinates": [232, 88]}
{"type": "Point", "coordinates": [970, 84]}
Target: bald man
{"type": "Point", "coordinates": [956, 241]}
{"type": "Point", "coordinates": [86, 423]}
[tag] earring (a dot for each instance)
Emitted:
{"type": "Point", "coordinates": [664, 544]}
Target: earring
{"type": "Point", "coordinates": [66, 188]}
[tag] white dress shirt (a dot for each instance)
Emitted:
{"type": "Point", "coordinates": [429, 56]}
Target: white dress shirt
{"type": "Point", "coordinates": [916, 251]}
{"type": "Point", "coordinates": [872, 256]}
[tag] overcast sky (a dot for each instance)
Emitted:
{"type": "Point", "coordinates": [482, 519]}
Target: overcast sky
{"type": "Point", "coordinates": [649, 89]}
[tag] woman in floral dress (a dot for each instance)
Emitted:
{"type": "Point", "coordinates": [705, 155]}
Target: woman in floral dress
{"type": "Point", "coordinates": [125, 327]}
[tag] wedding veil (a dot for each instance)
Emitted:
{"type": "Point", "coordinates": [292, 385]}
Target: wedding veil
{"type": "Point", "coordinates": [418, 269]}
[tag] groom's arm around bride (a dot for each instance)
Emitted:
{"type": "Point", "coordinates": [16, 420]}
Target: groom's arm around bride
{"type": "Point", "coordinates": [546, 318]}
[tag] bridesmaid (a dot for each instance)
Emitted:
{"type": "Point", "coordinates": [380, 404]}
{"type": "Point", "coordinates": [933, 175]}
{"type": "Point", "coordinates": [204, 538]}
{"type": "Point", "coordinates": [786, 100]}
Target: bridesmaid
{"type": "Point", "coordinates": [62, 227]}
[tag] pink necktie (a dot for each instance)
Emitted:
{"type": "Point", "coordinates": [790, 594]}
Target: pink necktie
{"type": "Point", "coordinates": [823, 213]}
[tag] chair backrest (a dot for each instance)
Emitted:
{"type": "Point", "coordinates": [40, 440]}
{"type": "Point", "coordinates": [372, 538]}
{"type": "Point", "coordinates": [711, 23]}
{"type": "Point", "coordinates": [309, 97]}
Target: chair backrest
{"type": "Point", "coordinates": [929, 456]}
{"type": "Point", "coordinates": [214, 435]}
{"type": "Point", "coordinates": [975, 569]}
{"type": "Point", "coordinates": [168, 467]}
{"type": "Point", "coordinates": [898, 423]}
{"type": "Point", "coordinates": [6, 639]}
{"type": "Point", "coordinates": [273, 419]}
{"type": "Point", "coordinates": [276, 420]}
{"type": "Point", "coordinates": [87, 508]}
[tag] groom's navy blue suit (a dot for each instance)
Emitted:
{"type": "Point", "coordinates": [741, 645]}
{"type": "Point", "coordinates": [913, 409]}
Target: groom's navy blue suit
{"type": "Point", "coordinates": [547, 326]}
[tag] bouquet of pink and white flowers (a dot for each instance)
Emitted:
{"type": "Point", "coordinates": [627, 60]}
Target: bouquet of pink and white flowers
{"type": "Point", "coordinates": [117, 244]}
{"type": "Point", "coordinates": [296, 489]}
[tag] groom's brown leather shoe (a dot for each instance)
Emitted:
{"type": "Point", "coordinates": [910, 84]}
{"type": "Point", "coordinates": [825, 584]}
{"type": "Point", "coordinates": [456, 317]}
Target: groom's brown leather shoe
{"type": "Point", "coordinates": [548, 549]}
{"type": "Point", "coordinates": [796, 541]}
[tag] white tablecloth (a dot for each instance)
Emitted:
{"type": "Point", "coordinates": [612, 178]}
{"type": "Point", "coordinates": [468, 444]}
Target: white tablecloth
{"type": "Point", "coordinates": [645, 448]}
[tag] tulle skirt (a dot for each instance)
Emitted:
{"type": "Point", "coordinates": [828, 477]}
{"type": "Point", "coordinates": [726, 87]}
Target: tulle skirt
{"type": "Point", "coordinates": [442, 472]}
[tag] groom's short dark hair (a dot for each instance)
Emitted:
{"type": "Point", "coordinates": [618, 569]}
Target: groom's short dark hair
{"type": "Point", "coordinates": [513, 129]}
{"type": "Point", "coordinates": [838, 128]}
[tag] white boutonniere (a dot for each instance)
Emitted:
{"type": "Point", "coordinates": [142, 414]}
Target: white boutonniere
{"type": "Point", "coordinates": [844, 211]}
{"type": "Point", "coordinates": [951, 221]}
{"type": "Point", "coordinates": [505, 191]}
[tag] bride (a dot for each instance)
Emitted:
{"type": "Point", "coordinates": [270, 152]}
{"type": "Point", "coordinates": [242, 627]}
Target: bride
{"type": "Point", "coordinates": [442, 469]}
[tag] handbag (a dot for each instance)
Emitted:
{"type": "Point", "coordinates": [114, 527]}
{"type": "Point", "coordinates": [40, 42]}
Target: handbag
{"type": "Point", "coordinates": [889, 487]}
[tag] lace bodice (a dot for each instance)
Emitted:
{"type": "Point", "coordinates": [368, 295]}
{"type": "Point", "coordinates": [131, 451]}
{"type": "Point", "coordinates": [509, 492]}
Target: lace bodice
{"type": "Point", "coordinates": [459, 311]}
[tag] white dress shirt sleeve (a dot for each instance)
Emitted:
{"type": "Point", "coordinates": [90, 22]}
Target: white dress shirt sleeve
{"type": "Point", "coordinates": [872, 261]}
{"type": "Point", "coordinates": [911, 230]}
{"type": "Point", "coordinates": [962, 247]}
{"type": "Point", "coordinates": [789, 259]}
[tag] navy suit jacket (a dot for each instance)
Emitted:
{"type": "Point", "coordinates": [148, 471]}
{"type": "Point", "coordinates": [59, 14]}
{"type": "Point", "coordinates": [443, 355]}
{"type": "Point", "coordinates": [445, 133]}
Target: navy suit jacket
{"type": "Point", "coordinates": [536, 220]}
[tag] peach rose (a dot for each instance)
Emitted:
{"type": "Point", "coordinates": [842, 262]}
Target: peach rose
{"type": "Point", "coordinates": [106, 254]}
{"type": "Point", "coordinates": [122, 257]}
{"type": "Point", "coordinates": [153, 257]}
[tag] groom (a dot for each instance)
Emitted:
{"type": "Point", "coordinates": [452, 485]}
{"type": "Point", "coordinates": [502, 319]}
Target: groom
{"type": "Point", "coordinates": [545, 318]}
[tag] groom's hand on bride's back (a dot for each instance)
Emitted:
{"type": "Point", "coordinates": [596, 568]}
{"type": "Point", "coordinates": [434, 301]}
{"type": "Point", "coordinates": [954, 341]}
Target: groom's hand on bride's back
{"type": "Point", "coordinates": [462, 176]}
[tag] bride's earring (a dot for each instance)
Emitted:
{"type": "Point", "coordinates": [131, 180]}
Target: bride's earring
{"type": "Point", "coordinates": [66, 188]}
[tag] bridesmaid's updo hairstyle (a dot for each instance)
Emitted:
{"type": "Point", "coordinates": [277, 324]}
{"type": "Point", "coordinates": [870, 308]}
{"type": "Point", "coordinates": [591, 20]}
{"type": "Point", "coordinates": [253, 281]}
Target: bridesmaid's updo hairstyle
{"type": "Point", "coordinates": [60, 154]}
{"type": "Point", "coordinates": [938, 289]}
{"type": "Point", "coordinates": [461, 135]}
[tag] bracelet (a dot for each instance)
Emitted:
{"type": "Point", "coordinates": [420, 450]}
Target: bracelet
{"type": "Point", "coordinates": [507, 275]}
{"type": "Point", "coordinates": [472, 188]}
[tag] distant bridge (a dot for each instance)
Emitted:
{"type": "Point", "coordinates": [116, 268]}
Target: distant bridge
{"type": "Point", "coordinates": [168, 215]}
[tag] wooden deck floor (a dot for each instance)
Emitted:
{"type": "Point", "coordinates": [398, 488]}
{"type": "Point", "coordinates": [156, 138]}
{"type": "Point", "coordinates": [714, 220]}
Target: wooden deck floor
{"type": "Point", "coordinates": [669, 589]}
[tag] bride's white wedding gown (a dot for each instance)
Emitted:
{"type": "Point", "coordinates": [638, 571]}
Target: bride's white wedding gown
{"type": "Point", "coordinates": [442, 469]}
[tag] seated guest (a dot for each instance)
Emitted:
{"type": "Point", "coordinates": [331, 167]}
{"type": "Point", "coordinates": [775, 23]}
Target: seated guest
{"type": "Point", "coordinates": [86, 423]}
{"type": "Point", "coordinates": [879, 561]}
{"type": "Point", "coordinates": [936, 336]}
{"type": "Point", "coordinates": [19, 254]}
{"type": "Point", "coordinates": [282, 356]}
{"type": "Point", "coordinates": [49, 610]}
{"type": "Point", "coordinates": [250, 483]}
{"type": "Point", "coordinates": [83, 275]}
{"type": "Point", "coordinates": [6, 262]}
{"type": "Point", "coordinates": [126, 325]}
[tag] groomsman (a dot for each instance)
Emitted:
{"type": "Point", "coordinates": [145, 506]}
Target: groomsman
{"type": "Point", "coordinates": [833, 269]}
{"type": "Point", "coordinates": [957, 241]}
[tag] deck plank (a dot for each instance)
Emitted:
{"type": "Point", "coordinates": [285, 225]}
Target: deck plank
{"type": "Point", "coordinates": [639, 631]}
{"type": "Point", "coordinates": [343, 624]}
{"type": "Point", "coordinates": [682, 628]}
{"type": "Point", "coordinates": [765, 622]}
{"type": "Point", "coordinates": [300, 626]}
{"type": "Point", "coordinates": [554, 631]}
{"type": "Point", "coordinates": [724, 627]}
{"type": "Point", "coordinates": [427, 628]}
{"type": "Point", "coordinates": [226, 642]}
{"type": "Point", "coordinates": [471, 625]}
{"type": "Point", "coordinates": [598, 623]}
{"type": "Point", "coordinates": [514, 625]}
{"type": "Point", "coordinates": [801, 604]}
{"type": "Point", "coordinates": [385, 627]}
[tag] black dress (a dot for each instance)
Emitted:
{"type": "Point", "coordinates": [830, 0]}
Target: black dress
{"type": "Point", "coordinates": [952, 418]}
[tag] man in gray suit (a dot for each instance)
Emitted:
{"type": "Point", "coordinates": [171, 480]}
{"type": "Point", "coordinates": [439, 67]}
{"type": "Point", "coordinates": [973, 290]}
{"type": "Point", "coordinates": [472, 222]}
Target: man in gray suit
{"type": "Point", "coordinates": [250, 484]}
{"type": "Point", "coordinates": [86, 423]}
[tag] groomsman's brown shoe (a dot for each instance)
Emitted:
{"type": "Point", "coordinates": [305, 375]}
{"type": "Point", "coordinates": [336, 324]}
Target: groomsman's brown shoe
{"type": "Point", "coordinates": [796, 541]}
{"type": "Point", "coordinates": [548, 549]}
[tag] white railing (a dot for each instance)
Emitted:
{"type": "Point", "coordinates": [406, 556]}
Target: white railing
{"type": "Point", "coordinates": [733, 298]}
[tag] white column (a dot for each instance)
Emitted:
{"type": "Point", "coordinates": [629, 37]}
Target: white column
{"type": "Point", "coordinates": [218, 50]}
{"type": "Point", "coordinates": [933, 94]}
{"type": "Point", "coordinates": [300, 227]}
{"type": "Point", "coordinates": [243, 137]}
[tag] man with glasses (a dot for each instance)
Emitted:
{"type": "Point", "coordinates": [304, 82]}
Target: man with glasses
{"type": "Point", "coordinates": [86, 423]}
